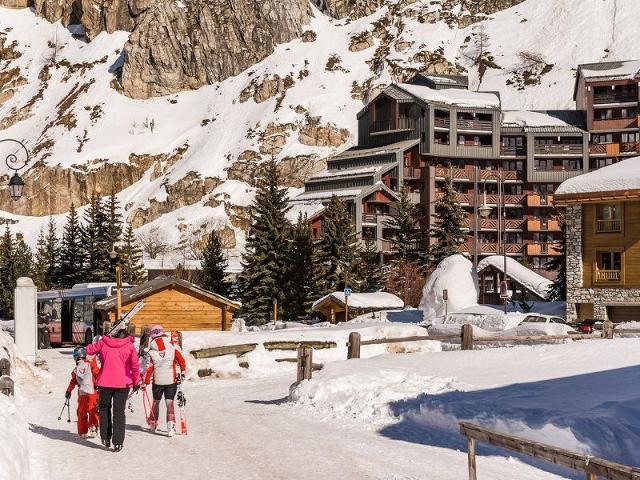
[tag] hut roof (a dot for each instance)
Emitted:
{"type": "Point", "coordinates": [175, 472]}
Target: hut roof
{"type": "Point", "coordinates": [375, 300]}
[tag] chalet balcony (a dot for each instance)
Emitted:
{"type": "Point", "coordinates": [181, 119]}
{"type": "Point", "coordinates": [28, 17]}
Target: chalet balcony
{"type": "Point", "coordinates": [607, 276]}
{"type": "Point", "coordinates": [630, 147]}
{"type": "Point", "coordinates": [558, 149]}
{"type": "Point", "coordinates": [467, 199]}
{"type": "Point", "coordinates": [467, 174]}
{"type": "Point", "coordinates": [492, 224]}
{"type": "Point", "coordinates": [441, 122]}
{"type": "Point", "coordinates": [474, 125]}
{"type": "Point", "coordinates": [607, 98]}
{"type": "Point", "coordinates": [615, 123]}
{"type": "Point", "coordinates": [490, 248]}
{"type": "Point", "coordinates": [608, 226]}
{"type": "Point", "coordinates": [513, 151]}
{"type": "Point", "coordinates": [540, 225]}
{"type": "Point", "coordinates": [393, 124]}
{"type": "Point", "coordinates": [536, 200]}
{"type": "Point", "coordinates": [543, 248]}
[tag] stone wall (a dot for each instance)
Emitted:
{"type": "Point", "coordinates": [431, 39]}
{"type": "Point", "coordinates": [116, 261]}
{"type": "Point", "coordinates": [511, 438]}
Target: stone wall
{"type": "Point", "coordinates": [576, 293]}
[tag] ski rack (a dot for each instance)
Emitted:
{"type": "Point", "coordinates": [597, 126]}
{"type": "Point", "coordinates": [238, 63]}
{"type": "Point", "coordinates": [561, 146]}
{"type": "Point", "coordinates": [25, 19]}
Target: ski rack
{"type": "Point", "coordinates": [127, 318]}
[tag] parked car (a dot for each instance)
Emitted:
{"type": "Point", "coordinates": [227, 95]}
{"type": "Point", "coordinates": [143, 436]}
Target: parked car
{"type": "Point", "coordinates": [589, 325]}
{"type": "Point", "coordinates": [540, 318]}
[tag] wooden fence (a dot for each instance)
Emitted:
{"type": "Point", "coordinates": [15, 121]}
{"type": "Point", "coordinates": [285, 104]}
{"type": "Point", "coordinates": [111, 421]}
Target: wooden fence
{"type": "Point", "coordinates": [6, 382]}
{"type": "Point", "coordinates": [593, 467]}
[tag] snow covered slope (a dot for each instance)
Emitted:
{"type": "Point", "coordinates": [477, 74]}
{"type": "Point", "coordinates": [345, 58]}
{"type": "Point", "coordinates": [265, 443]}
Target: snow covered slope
{"type": "Point", "coordinates": [186, 162]}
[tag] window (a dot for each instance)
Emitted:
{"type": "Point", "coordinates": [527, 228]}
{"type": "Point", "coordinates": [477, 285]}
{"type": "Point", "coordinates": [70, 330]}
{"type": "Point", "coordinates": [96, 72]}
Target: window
{"type": "Point", "coordinates": [597, 163]}
{"type": "Point", "coordinates": [572, 164]}
{"type": "Point", "coordinates": [513, 165]}
{"type": "Point", "coordinates": [543, 164]}
{"type": "Point", "coordinates": [543, 188]}
{"type": "Point", "coordinates": [608, 266]}
{"type": "Point", "coordinates": [461, 139]}
{"type": "Point", "coordinates": [513, 189]}
{"type": "Point", "coordinates": [630, 137]}
{"type": "Point", "coordinates": [606, 114]}
{"type": "Point", "coordinates": [609, 218]}
{"type": "Point", "coordinates": [603, 138]}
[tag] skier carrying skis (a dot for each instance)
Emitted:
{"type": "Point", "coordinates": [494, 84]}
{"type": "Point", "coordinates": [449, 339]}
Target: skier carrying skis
{"type": "Point", "coordinates": [84, 377]}
{"type": "Point", "coordinates": [163, 358]}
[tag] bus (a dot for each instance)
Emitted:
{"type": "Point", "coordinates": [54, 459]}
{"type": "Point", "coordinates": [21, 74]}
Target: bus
{"type": "Point", "coordinates": [69, 313]}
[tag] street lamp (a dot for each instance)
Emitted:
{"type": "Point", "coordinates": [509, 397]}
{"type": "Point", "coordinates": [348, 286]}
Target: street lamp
{"type": "Point", "coordinates": [16, 184]}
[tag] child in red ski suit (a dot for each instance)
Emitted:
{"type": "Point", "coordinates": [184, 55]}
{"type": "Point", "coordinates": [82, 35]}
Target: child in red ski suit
{"type": "Point", "coordinates": [163, 358]}
{"type": "Point", "coordinates": [84, 377]}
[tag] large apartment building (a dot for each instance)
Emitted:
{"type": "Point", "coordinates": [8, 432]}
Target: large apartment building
{"type": "Point", "coordinates": [418, 134]}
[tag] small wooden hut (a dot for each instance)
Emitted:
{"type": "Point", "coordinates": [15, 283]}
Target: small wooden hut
{"type": "Point", "coordinates": [332, 306]}
{"type": "Point", "coordinates": [522, 282]}
{"type": "Point", "coordinates": [173, 303]}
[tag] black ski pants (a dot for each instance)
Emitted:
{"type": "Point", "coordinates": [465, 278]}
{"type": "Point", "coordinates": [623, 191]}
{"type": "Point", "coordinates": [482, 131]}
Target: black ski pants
{"type": "Point", "coordinates": [112, 430]}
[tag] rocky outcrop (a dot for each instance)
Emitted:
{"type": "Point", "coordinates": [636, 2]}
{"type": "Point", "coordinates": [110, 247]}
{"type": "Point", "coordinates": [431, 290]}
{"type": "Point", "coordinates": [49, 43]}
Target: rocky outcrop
{"type": "Point", "coordinates": [66, 11]}
{"type": "Point", "coordinates": [180, 46]}
{"type": "Point", "coordinates": [315, 134]}
{"type": "Point", "coordinates": [14, 3]}
{"type": "Point", "coordinates": [349, 8]}
{"type": "Point", "coordinates": [269, 87]}
{"type": "Point", "coordinates": [106, 15]}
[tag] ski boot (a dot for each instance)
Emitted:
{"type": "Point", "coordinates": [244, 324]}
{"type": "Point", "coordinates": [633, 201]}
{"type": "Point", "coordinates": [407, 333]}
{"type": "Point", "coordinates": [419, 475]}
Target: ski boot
{"type": "Point", "coordinates": [117, 448]}
{"type": "Point", "coordinates": [106, 443]}
{"type": "Point", "coordinates": [171, 429]}
{"type": "Point", "coordinates": [93, 432]}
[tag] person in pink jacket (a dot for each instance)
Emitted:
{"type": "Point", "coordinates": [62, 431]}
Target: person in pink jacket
{"type": "Point", "coordinates": [119, 372]}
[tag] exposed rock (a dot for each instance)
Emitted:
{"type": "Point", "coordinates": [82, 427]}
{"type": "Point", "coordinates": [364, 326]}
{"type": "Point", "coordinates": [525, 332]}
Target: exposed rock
{"type": "Point", "coordinates": [361, 41]}
{"type": "Point", "coordinates": [334, 64]}
{"type": "Point", "coordinates": [239, 217]}
{"type": "Point", "coordinates": [227, 237]}
{"type": "Point", "coordinates": [182, 46]}
{"type": "Point", "coordinates": [66, 11]}
{"type": "Point", "coordinates": [269, 87]}
{"type": "Point", "coordinates": [106, 15]}
{"type": "Point", "coordinates": [316, 135]}
{"type": "Point", "coordinates": [295, 170]}
{"type": "Point", "coordinates": [14, 3]}
{"type": "Point", "coordinates": [244, 169]}
{"type": "Point", "coordinates": [349, 8]}
{"type": "Point", "coordinates": [308, 36]}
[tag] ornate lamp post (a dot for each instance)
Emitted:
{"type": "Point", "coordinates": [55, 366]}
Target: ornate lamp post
{"type": "Point", "coordinates": [16, 184]}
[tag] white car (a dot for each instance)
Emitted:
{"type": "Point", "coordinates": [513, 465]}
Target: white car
{"type": "Point", "coordinates": [540, 318]}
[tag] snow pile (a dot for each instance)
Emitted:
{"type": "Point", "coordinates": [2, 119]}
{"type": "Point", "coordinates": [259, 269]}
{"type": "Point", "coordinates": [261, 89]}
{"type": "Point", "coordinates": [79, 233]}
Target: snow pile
{"type": "Point", "coordinates": [491, 321]}
{"type": "Point", "coordinates": [526, 277]}
{"type": "Point", "coordinates": [454, 96]}
{"type": "Point", "coordinates": [520, 330]}
{"type": "Point", "coordinates": [7, 325]}
{"type": "Point", "coordinates": [379, 300]}
{"type": "Point", "coordinates": [456, 275]}
{"type": "Point", "coordinates": [408, 315]}
{"type": "Point", "coordinates": [528, 118]}
{"type": "Point", "coordinates": [623, 175]}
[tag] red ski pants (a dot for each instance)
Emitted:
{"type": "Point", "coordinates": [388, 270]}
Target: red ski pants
{"type": "Point", "coordinates": [87, 412]}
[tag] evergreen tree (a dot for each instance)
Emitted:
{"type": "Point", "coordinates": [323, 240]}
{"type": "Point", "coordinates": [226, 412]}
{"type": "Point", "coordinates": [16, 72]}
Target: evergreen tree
{"type": "Point", "coordinates": [370, 268]}
{"type": "Point", "coordinates": [405, 224]}
{"type": "Point", "coordinates": [449, 221]}
{"type": "Point", "coordinates": [339, 249]}
{"type": "Point", "coordinates": [304, 272]}
{"type": "Point", "coordinates": [23, 258]}
{"type": "Point", "coordinates": [72, 253]}
{"type": "Point", "coordinates": [133, 271]}
{"type": "Point", "coordinates": [8, 274]}
{"type": "Point", "coordinates": [96, 240]}
{"type": "Point", "coordinates": [265, 260]}
{"type": "Point", "coordinates": [558, 264]}
{"type": "Point", "coordinates": [47, 267]}
{"type": "Point", "coordinates": [214, 265]}
{"type": "Point", "coordinates": [40, 268]}
{"type": "Point", "coordinates": [113, 229]}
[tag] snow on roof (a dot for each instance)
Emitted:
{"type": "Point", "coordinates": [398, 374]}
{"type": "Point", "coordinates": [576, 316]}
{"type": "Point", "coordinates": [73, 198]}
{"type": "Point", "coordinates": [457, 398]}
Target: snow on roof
{"type": "Point", "coordinates": [454, 96]}
{"type": "Point", "coordinates": [627, 69]}
{"type": "Point", "coordinates": [327, 194]}
{"type": "Point", "coordinates": [356, 152]}
{"type": "Point", "coordinates": [379, 300]}
{"type": "Point", "coordinates": [348, 172]}
{"type": "Point", "coordinates": [528, 118]}
{"type": "Point", "coordinates": [620, 176]}
{"type": "Point", "coordinates": [308, 208]}
{"type": "Point", "coordinates": [526, 277]}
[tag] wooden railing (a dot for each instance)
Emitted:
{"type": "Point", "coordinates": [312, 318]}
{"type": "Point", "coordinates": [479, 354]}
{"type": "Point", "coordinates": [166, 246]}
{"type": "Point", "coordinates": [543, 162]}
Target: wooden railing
{"type": "Point", "coordinates": [485, 174]}
{"type": "Point", "coordinates": [630, 147]}
{"type": "Point", "coordinates": [598, 149]}
{"type": "Point", "coordinates": [608, 275]}
{"type": "Point", "coordinates": [594, 467]}
{"type": "Point", "coordinates": [492, 224]}
{"type": "Point", "coordinates": [370, 218]}
{"type": "Point", "coordinates": [608, 226]}
{"type": "Point", "coordinates": [558, 149]}
{"type": "Point", "coordinates": [399, 123]}
{"type": "Point", "coordinates": [441, 122]}
{"type": "Point", "coordinates": [490, 247]}
{"type": "Point", "coordinates": [467, 198]}
{"type": "Point", "coordinates": [513, 151]}
{"type": "Point", "coordinates": [480, 125]}
{"type": "Point", "coordinates": [411, 172]}
{"type": "Point", "coordinates": [615, 123]}
{"type": "Point", "coordinates": [536, 200]}
{"type": "Point", "coordinates": [614, 98]}
{"type": "Point", "coordinates": [539, 225]}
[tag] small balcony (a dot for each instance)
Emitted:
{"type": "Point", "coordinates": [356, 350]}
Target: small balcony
{"type": "Point", "coordinates": [558, 149]}
{"type": "Point", "coordinates": [541, 225]}
{"type": "Point", "coordinates": [492, 224]}
{"type": "Point", "coordinates": [491, 248]}
{"type": "Point", "coordinates": [630, 147]}
{"type": "Point", "coordinates": [609, 226]}
{"type": "Point", "coordinates": [474, 125]}
{"type": "Point", "coordinates": [513, 151]}
{"type": "Point", "coordinates": [543, 248]}
{"type": "Point", "coordinates": [393, 124]}
{"type": "Point", "coordinates": [485, 174]}
{"type": "Point", "coordinates": [607, 276]}
{"type": "Point", "coordinates": [536, 200]}
{"type": "Point", "coordinates": [611, 98]}
{"type": "Point", "coordinates": [441, 122]}
{"type": "Point", "coordinates": [467, 199]}
{"type": "Point", "coordinates": [615, 123]}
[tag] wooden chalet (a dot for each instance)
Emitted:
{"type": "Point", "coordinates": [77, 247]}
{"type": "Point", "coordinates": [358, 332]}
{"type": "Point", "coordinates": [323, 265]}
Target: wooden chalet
{"type": "Point", "coordinates": [332, 306]}
{"type": "Point", "coordinates": [175, 304]}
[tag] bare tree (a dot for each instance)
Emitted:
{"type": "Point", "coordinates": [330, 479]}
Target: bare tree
{"type": "Point", "coordinates": [154, 242]}
{"type": "Point", "coordinates": [531, 59]}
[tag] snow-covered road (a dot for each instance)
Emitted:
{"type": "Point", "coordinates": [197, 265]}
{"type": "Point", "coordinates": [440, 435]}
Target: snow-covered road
{"type": "Point", "coordinates": [240, 429]}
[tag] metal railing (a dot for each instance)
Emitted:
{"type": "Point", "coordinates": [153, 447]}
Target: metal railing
{"type": "Point", "coordinates": [399, 123]}
{"type": "Point", "coordinates": [608, 226]}
{"type": "Point", "coordinates": [441, 122]}
{"type": "Point", "coordinates": [558, 149]}
{"type": "Point", "coordinates": [513, 151]}
{"type": "Point", "coordinates": [601, 98]}
{"type": "Point", "coordinates": [480, 125]}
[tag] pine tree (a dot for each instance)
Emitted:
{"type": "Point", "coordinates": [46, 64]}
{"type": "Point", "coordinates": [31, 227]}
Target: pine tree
{"type": "Point", "coordinates": [214, 265]}
{"type": "Point", "coordinates": [113, 229]}
{"type": "Point", "coordinates": [23, 258]}
{"type": "Point", "coordinates": [265, 260]}
{"type": "Point", "coordinates": [96, 240]}
{"type": "Point", "coordinates": [558, 291]}
{"type": "Point", "coordinates": [133, 271]}
{"type": "Point", "coordinates": [304, 273]}
{"type": "Point", "coordinates": [449, 221]}
{"type": "Point", "coordinates": [40, 268]}
{"type": "Point", "coordinates": [370, 269]}
{"type": "Point", "coordinates": [72, 253]}
{"type": "Point", "coordinates": [405, 224]}
{"type": "Point", "coordinates": [339, 249]}
{"type": "Point", "coordinates": [8, 274]}
{"type": "Point", "coordinates": [47, 268]}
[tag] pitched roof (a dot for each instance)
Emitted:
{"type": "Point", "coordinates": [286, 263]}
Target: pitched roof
{"type": "Point", "coordinates": [374, 151]}
{"type": "Point", "coordinates": [616, 70]}
{"type": "Point", "coordinates": [157, 284]}
{"type": "Point", "coordinates": [532, 281]}
{"type": "Point", "coordinates": [544, 120]}
{"type": "Point", "coordinates": [345, 193]}
{"type": "Point", "coordinates": [350, 172]}
{"type": "Point", "coordinates": [454, 96]}
{"type": "Point", "coordinates": [375, 300]}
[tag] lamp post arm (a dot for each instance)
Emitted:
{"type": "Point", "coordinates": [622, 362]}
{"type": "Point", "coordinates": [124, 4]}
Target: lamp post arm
{"type": "Point", "coordinates": [12, 160]}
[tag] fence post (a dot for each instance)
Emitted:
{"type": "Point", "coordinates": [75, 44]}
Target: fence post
{"type": "Point", "coordinates": [353, 350]}
{"type": "Point", "coordinates": [467, 337]}
{"type": "Point", "coordinates": [471, 457]}
{"type": "Point", "coordinates": [6, 382]}
{"type": "Point", "coordinates": [305, 363]}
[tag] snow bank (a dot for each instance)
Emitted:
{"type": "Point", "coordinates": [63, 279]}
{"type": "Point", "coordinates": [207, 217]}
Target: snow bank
{"type": "Point", "coordinates": [521, 330]}
{"type": "Point", "coordinates": [456, 275]}
{"type": "Point", "coordinates": [493, 321]}
{"type": "Point", "coordinates": [623, 175]}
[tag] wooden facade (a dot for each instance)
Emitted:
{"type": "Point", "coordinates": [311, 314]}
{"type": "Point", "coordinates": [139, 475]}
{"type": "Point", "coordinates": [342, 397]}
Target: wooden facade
{"type": "Point", "coordinates": [175, 304]}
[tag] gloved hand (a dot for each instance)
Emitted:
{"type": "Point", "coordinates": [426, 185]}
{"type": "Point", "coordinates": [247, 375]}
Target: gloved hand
{"type": "Point", "coordinates": [136, 388]}
{"type": "Point", "coordinates": [143, 386]}
{"type": "Point", "coordinates": [67, 395]}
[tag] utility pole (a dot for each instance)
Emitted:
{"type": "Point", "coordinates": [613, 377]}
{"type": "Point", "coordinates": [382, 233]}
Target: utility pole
{"type": "Point", "coordinates": [275, 310]}
{"type": "Point", "coordinates": [118, 293]}
{"type": "Point", "coordinates": [475, 217]}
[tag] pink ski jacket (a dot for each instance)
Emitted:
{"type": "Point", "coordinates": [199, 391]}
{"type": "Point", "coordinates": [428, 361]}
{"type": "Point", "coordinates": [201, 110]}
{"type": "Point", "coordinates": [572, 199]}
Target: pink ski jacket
{"type": "Point", "coordinates": [118, 360]}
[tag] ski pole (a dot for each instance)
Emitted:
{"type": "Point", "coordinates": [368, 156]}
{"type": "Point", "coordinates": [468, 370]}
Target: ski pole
{"type": "Point", "coordinates": [68, 412]}
{"type": "Point", "coordinates": [129, 406]}
{"type": "Point", "coordinates": [66, 400]}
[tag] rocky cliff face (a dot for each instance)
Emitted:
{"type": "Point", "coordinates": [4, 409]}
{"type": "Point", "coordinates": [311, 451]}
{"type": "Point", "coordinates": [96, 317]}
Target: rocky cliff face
{"type": "Point", "coordinates": [183, 46]}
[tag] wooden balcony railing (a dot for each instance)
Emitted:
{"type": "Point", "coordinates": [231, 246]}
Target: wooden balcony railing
{"type": "Point", "coordinates": [485, 174]}
{"type": "Point", "coordinates": [490, 248]}
{"type": "Point", "coordinates": [613, 149]}
{"type": "Point", "coordinates": [441, 122]}
{"type": "Point", "coordinates": [558, 149]}
{"type": "Point", "coordinates": [603, 98]}
{"type": "Point", "coordinates": [513, 151]}
{"type": "Point", "coordinates": [543, 248]}
{"type": "Point", "coordinates": [539, 225]}
{"type": "Point", "coordinates": [398, 123]}
{"type": "Point", "coordinates": [535, 200]}
{"type": "Point", "coordinates": [615, 123]}
{"type": "Point", "coordinates": [467, 198]}
{"type": "Point", "coordinates": [630, 147]}
{"type": "Point", "coordinates": [369, 218]}
{"type": "Point", "coordinates": [608, 226]}
{"type": "Point", "coordinates": [608, 275]}
{"type": "Point", "coordinates": [598, 149]}
{"type": "Point", "coordinates": [476, 125]}
{"type": "Point", "coordinates": [492, 224]}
